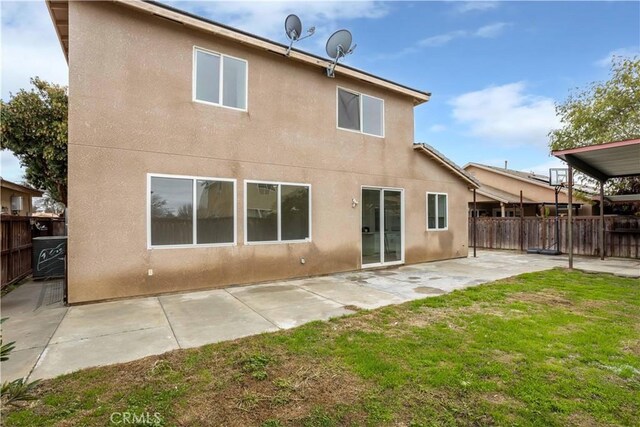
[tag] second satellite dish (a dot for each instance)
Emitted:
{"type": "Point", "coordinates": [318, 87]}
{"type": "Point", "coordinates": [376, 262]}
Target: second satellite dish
{"type": "Point", "coordinates": [293, 30]}
{"type": "Point", "coordinates": [339, 46]}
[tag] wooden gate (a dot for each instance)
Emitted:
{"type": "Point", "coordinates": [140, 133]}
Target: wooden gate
{"type": "Point", "coordinates": [16, 248]}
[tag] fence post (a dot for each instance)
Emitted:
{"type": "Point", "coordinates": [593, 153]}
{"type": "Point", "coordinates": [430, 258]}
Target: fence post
{"type": "Point", "coordinates": [475, 219]}
{"type": "Point", "coordinates": [570, 218]}
{"type": "Point", "coordinates": [602, 220]}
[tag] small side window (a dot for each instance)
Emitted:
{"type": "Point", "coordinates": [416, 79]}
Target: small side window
{"type": "Point", "coordinates": [437, 211]}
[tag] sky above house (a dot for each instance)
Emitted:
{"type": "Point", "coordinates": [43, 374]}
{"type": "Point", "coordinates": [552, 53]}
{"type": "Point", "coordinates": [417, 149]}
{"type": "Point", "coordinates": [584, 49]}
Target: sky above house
{"type": "Point", "coordinates": [495, 69]}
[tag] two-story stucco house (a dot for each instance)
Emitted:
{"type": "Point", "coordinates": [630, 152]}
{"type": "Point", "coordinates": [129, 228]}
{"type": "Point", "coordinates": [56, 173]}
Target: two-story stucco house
{"type": "Point", "coordinates": [201, 156]}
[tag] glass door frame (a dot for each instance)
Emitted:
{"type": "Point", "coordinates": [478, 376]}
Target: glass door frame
{"type": "Point", "coordinates": [402, 227]}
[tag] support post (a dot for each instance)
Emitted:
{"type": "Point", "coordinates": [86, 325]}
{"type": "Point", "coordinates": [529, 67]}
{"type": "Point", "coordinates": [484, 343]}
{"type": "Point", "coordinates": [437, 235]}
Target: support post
{"type": "Point", "coordinates": [475, 218]}
{"type": "Point", "coordinates": [521, 223]}
{"type": "Point", "coordinates": [570, 219]}
{"type": "Point", "coordinates": [557, 222]}
{"type": "Point", "coordinates": [602, 220]}
{"type": "Point", "coordinates": [502, 209]}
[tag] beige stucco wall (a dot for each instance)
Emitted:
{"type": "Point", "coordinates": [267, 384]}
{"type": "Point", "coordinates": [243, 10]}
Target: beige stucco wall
{"type": "Point", "coordinates": [5, 198]}
{"type": "Point", "coordinates": [131, 113]}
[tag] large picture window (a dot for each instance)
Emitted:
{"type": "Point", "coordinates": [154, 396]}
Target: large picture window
{"type": "Point", "coordinates": [360, 113]}
{"type": "Point", "coordinates": [220, 79]}
{"type": "Point", "coordinates": [277, 212]}
{"type": "Point", "coordinates": [187, 211]}
{"type": "Point", "coordinates": [437, 211]}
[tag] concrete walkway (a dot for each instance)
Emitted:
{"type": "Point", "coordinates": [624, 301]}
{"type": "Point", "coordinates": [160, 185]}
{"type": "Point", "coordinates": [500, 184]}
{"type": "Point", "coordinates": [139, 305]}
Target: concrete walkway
{"type": "Point", "coordinates": [52, 339]}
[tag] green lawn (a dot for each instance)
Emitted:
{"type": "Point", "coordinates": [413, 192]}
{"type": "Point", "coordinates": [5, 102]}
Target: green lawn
{"type": "Point", "coordinates": [551, 349]}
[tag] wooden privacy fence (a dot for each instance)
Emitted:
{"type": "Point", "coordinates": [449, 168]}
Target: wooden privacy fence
{"type": "Point", "coordinates": [17, 232]}
{"type": "Point", "coordinates": [622, 234]}
{"type": "Point", "coordinates": [16, 248]}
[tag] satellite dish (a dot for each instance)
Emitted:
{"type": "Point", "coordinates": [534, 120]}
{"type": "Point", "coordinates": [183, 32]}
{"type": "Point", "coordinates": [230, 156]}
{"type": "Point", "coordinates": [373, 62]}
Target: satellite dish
{"type": "Point", "coordinates": [339, 46]}
{"type": "Point", "coordinates": [293, 30]}
{"type": "Point", "coordinates": [293, 27]}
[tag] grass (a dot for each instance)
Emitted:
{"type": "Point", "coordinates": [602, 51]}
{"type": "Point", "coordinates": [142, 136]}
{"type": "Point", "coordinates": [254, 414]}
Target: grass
{"type": "Point", "coordinates": [554, 348]}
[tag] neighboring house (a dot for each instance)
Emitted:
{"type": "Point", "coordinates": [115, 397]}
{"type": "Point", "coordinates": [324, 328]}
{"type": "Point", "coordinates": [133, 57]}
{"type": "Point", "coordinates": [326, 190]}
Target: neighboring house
{"type": "Point", "coordinates": [499, 193]}
{"type": "Point", "coordinates": [17, 198]}
{"type": "Point", "coordinates": [201, 156]}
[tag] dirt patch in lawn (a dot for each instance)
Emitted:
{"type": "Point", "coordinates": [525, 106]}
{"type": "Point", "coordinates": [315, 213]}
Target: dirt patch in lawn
{"type": "Point", "coordinates": [288, 389]}
{"type": "Point", "coordinates": [545, 298]}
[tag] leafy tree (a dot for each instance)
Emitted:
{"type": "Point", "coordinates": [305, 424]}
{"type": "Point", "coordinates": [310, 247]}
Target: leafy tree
{"type": "Point", "coordinates": [603, 112]}
{"type": "Point", "coordinates": [33, 125]}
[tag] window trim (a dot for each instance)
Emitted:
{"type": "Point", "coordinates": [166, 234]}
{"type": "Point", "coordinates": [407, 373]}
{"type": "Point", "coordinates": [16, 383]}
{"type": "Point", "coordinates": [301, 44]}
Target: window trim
{"type": "Point", "coordinates": [279, 221]}
{"type": "Point", "coordinates": [194, 193]}
{"type": "Point", "coordinates": [194, 66]}
{"type": "Point", "coordinates": [427, 211]}
{"type": "Point", "coordinates": [360, 109]}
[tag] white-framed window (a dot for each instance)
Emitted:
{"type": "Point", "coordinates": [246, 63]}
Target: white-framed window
{"type": "Point", "coordinates": [219, 79]}
{"type": "Point", "coordinates": [277, 212]}
{"type": "Point", "coordinates": [360, 113]}
{"type": "Point", "coordinates": [437, 211]}
{"type": "Point", "coordinates": [190, 211]}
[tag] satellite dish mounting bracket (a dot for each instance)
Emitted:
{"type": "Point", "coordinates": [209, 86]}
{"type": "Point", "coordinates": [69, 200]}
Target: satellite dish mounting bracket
{"type": "Point", "coordinates": [293, 29]}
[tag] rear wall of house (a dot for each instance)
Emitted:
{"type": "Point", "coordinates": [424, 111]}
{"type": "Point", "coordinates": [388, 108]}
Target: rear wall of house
{"type": "Point", "coordinates": [131, 113]}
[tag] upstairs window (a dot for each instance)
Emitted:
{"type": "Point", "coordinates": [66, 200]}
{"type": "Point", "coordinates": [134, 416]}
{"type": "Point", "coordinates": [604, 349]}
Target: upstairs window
{"type": "Point", "coordinates": [360, 113]}
{"type": "Point", "coordinates": [220, 79]}
{"type": "Point", "coordinates": [437, 211]}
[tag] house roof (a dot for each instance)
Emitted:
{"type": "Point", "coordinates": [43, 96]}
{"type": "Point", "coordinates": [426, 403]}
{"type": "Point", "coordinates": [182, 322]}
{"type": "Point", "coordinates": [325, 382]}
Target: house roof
{"type": "Point", "coordinates": [19, 187]}
{"type": "Point", "coordinates": [604, 161]}
{"type": "Point", "coordinates": [59, 11]}
{"type": "Point", "coordinates": [447, 163]}
{"type": "Point", "coordinates": [530, 177]}
{"type": "Point", "coordinates": [501, 195]}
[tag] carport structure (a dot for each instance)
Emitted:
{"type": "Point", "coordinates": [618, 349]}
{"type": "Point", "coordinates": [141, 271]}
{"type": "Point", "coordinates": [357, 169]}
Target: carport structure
{"type": "Point", "coordinates": [619, 159]}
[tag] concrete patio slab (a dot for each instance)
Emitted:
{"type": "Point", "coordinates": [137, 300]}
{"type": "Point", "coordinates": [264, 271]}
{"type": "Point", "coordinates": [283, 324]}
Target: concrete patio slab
{"type": "Point", "coordinates": [107, 318]}
{"type": "Point", "coordinates": [30, 297]}
{"type": "Point", "coordinates": [20, 363]}
{"type": "Point", "coordinates": [349, 293]}
{"type": "Point", "coordinates": [286, 317]}
{"type": "Point", "coordinates": [34, 329]}
{"type": "Point", "coordinates": [61, 339]}
{"type": "Point", "coordinates": [200, 318]}
{"type": "Point", "coordinates": [270, 296]}
{"type": "Point", "coordinates": [70, 356]}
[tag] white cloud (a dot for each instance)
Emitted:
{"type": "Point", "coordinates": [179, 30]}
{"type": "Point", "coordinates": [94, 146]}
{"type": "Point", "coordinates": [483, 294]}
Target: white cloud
{"type": "Point", "coordinates": [442, 39]}
{"type": "Point", "coordinates": [473, 6]}
{"type": "Point", "coordinates": [437, 128]}
{"type": "Point", "coordinates": [485, 32]}
{"type": "Point", "coordinates": [506, 115]}
{"type": "Point", "coordinates": [627, 52]}
{"type": "Point", "coordinates": [491, 31]}
{"type": "Point", "coordinates": [10, 167]}
{"type": "Point", "coordinates": [30, 47]}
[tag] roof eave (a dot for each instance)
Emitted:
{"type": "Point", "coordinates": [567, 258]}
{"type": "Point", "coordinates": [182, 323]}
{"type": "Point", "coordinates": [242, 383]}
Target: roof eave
{"type": "Point", "coordinates": [58, 23]}
{"type": "Point", "coordinates": [470, 182]}
{"type": "Point", "coordinates": [519, 178]}
{"type": "Point", "coordinates": [202, 24]}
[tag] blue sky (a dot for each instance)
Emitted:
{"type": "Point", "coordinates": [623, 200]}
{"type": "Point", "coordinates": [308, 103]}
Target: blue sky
{"type": "Point", "coordinates": [495, 68]}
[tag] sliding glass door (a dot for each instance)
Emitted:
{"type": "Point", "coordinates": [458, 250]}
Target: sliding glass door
{"type": "Point", "coordinates": [382, 226]}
